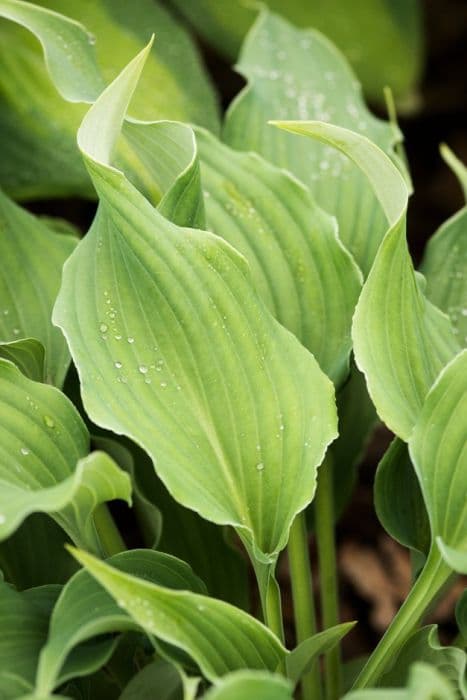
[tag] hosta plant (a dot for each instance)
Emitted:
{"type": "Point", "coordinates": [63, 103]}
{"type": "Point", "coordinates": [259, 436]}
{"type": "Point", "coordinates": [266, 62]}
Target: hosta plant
{"type": "Point", "coordinates": [214, 353]}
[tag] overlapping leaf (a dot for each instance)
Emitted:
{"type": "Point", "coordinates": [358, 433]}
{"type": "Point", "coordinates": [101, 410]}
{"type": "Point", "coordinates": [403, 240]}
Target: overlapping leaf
{"type": "Point", "coordinates": [84, 611]}
{"type": "Point", "coordinates": [301, 270]}
{"type": "Point", "coordinates": [438, 452]}
{"type": "Point", "coordinates": [24, 619]}
{"type": "Point", "coordinates": [399, 501]}
{"type": "Point", "coordinates": [250, 684]}
{"type": "Point", "coordinates": [382, 40]}
{"type": "Point", "coordinates": [445, 261]}
{"type": "Point", "coordinates": [44, 467]}
{"type": "Point", "coordinates": [158, 674]}
{"type": "Point", "coordinates": [425, 683]}
{"type": "Point", "coordinates": [298, 74]}
{"type": "Point", "coordinates": [28, 354]}
{"type": "Point", "coordinates": [401, 341]}
{"type": "Point", "coordinates": [236, 427]}
{"type": "Point", "coordinates": [38, 129]}
{"type": "Point", "coordinates": [32, 259]}
{"type": "Point", "coordinates": [218, 636]}
{"type": "Point", "coordinates": [424, 646]}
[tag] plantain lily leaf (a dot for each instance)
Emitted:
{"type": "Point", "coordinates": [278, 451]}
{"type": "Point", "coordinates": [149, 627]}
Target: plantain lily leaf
{"type": "Point", "coordinates": [250, 684]}
{"type": "Point", "coordinates": [425, 683]}
{"type": "Point", "coordinates": [35, 554]}
{"type": "Point", "coordinates": [32, 260]}
{"type": "Point", "coordinates": [219, 637]}
{"type": "Point", "coordinates": [444, 262]}
{"type": "Point", "coordinates": [28, 355]}
{"type": "Point", "coordinates": [401, 341]}
{"type": "Point", "coordinates": [301, 270]}
{"type": "Point", "coordinates": [382, 40]}
{"type": "Point", "coordinates": [424, 646]}
{"type": "Point", "coordinates": [300, 660]}
{"type": "Point", "coordinates": [38, 128]}
{"type": "Point", "coordinates": [159, 674]}
{"type": "Point", "coordinates": [236, 427]}
{"type": "Point", "coordinates": [437, 451]}
{"type": "Point", "coordinates": [185, 535]}
{"type": "Point", "coordinates": [398, 499]}
{"type": "Point", "coordinates": [24, 618]}
{"type": "Point", "coordinates": [84, 611]}
{"type": "Point", "coordinates": [298, 74]}
{"type": "Point", "coordinates": [44, 465]}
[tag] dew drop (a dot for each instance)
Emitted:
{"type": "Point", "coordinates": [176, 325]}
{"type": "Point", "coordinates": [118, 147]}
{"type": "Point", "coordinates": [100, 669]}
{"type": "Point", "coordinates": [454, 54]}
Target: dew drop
{"type": "Point", "coordinates": [143, 369]}
{"type": "Point", "coordinates": [260, 466]}
{"type": "Point", "coordinates": [103, 328]}
{"type": "Point", "coordinates": [24, 451]}
{"type": "Point", "coordinates": [50, 423]}
{"type": "Point", "coordinates": [118, 365]}
{"type": "Point", "coordinates": [130, 340]}
{"type": "Point", "coordinates": [163, 384]}
{"type": "Point", "coordinates": [16, 331]}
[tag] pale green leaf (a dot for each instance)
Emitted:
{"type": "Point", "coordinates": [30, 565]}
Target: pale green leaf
{"type": "Point", "coordinates": [32, 259]}
{"type": "Point", "coordinates": [183, 533]}
{"type": "Point", "coordinates": [382, 40]}
{"type": "Point", "coordinates": [158, 674]}
{"type": "Point", "coordinates": [219, 637]}
{"type": "Point", "coordinates": [425, 683]}
{"type": "Point", "coordinates": [445, 259]}
{"type": "Point", "coordinates": [84, 611]}
{"type": "Point", "coordinates": [24, 618]}
{"type": "Point", "coordinates": [236, 425]}
{"type": "Point", "coordinates": [401, 341]}
{"type": "Point", "coordinates": [240, 685]}
{"type": "Point", "coordinates": [38, 128]}
{"type": "Point", "coordinates": [457, 167]}
{"type": "Point", "coordinates": [301, 270]}
{"type": "Point", "coordinates": [437, 450]}
{"type": "Point", "coordinates": [300, 660]}
{"type": "Point", "coordinates": [28, 354]}
{"type": "Point", "coordinates": [44, 464]}
{"type": "Point", "coordinates": [424, 646]}
{"type": "Point", "coordinates": [299, 74]}
{"type": "Point", "coordinates": [398, 499]}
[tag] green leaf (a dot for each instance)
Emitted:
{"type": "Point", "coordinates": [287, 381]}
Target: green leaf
{"type": "Point", "coordinates": [425, 683]}
{"type": "Point", "coordinates": [44, 466]}
{"type": "Point", "coordinates": [219, 637]}
{"type": "Point", "coordinates": [300, 660]}
{"type": "Point", "coordinates": [28, 354]}
{"type": "Point", "coordinates": [38, 129]}
{"type": "Point", "coordinates": [84, 611]}
{"type": "Point", "coordinates": [424, 646]}
{"type": "Point", "coordinates": [235, 426]}
{"type": "Point", "coordinates": [444, 262]}
{"type": "Point", "coordinates": [398, 499]}
{"type": "Point", "coordinates": [186, 535]}
{"type": "Point", "coordinates": [300, 268]}
{"type": "Point", "coordinates": [159, 674]}
{"type": "Point", "coordinates": [437, 451]}
{"type": "Point", "coordinates": [401, 341]}
{"type": "Point", "coordinates": [33, 257]}
{"type": "Point", "coordinates": [34, 555]}
{"type": "Point", "coordinates": [382, 40]}
{"type": "Point", "coordinates": [294, 74]}
{"type": "Point", "coordinates": [24, 618]}
{"type": "Point", "coordinates": [250, 684]}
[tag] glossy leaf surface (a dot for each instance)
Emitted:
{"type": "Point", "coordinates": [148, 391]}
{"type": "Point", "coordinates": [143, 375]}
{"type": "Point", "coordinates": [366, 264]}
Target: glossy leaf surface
{"type": "Point", "coordinates": [250, 684]}
{"type": "Point", "coordinates": [45, 467]}
{"type": "Point", "coordinates": [298, 74]}
{"type": "Point", "coordinates": [236, 427]}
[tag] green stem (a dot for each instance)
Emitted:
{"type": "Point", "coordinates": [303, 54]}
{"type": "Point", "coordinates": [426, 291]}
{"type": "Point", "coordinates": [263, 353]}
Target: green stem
{"type": "Point", "coordinates": [273, 608]}
{"type": "Point", "coordinates": [431, 580]}
{"type": "Point", "coordinates": [302, 595]}
{"type": "Point", "coordinates": [324, 526]}
{"type": "Point", "coordinates": [110, 540]}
